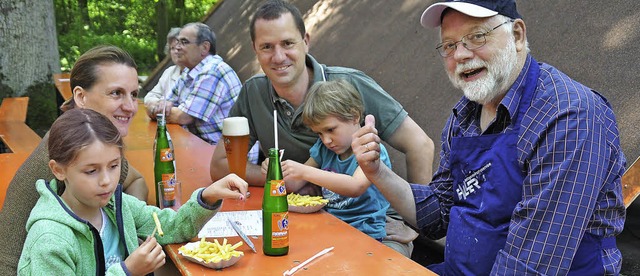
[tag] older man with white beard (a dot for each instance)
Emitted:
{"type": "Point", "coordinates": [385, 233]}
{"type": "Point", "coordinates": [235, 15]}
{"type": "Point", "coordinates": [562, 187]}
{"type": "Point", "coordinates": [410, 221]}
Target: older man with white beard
{"type": "Point", "coordinates": [529, 175]}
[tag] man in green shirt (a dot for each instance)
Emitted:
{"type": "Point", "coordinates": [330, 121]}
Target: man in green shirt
{"type": "Point", "coordinates": [281, 44]}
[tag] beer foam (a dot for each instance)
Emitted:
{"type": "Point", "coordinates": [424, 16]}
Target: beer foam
{"type": "Point", "coordinates": [235, 126]}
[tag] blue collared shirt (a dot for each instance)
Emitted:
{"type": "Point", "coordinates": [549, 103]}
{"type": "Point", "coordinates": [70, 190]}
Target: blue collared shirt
{"type": "Point", "coordinates": [207, 92]}
{"type": "Point", "coordinates": [569, 150]}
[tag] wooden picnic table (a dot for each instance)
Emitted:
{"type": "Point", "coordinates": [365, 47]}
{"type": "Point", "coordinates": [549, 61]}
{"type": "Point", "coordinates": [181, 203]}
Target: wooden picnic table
{"type": "Point", "coordinates": [63, 86]}
{"type": "Point", "coordinates": [18, 140]}
{"type": "Point", "coordinates": [354, 252]}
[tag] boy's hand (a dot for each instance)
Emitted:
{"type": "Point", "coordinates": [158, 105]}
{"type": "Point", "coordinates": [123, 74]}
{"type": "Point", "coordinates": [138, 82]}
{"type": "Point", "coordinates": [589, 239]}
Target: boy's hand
{"type": "Point", "coordinates": [146, 258]}
{"type": "Point", "coordinates": [292, 170]}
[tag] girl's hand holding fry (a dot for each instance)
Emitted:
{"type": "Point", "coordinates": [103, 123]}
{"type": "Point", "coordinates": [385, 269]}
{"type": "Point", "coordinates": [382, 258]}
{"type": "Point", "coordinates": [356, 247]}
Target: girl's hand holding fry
{"type": "Point", "coordinates": [146, 258]}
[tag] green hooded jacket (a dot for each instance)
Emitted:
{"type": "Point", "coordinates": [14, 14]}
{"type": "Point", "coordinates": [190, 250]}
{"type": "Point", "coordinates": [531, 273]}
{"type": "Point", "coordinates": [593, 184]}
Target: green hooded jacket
{"type": "Point", "coordinates": [62, 243]}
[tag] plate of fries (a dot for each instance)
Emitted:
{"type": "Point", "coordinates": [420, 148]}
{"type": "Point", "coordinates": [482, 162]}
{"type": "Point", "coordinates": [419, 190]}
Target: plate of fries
{"type": "Point", "coordinates": [305, 204]}
{"type": "Point", "coordinates": [212, 254]}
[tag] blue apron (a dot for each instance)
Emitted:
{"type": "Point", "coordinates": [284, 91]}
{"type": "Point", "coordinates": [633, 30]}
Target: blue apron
{"type": "Point", "coordinates": [487, 183]}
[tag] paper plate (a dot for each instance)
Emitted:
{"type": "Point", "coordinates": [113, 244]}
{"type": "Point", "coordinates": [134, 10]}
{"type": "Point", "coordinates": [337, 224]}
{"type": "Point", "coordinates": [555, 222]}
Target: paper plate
{"type": "Point", "coordinates": [218, 265]}
{"type": "Point", "coordinates": [306, 209]}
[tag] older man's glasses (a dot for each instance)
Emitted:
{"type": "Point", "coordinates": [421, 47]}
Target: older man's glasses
{"type": "Point", "coordinates": [471, 41]}
{"type": "Point", "coordinates": [183, 42]}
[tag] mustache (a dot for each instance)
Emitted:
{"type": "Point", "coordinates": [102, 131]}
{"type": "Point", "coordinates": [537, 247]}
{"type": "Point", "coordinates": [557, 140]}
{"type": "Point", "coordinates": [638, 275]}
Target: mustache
{"type": "Point", "coordinates": [470, 65]}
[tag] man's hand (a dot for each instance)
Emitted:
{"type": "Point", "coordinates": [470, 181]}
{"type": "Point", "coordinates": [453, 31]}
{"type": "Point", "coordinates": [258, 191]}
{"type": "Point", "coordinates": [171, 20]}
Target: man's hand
{"type": "Point", "coordinates": [150, 108]}
{"type": "Point", "coordinates": [398, 231]}
{"type": "Point", "coordinates": [265, 167]}
{"type": "Point", "coordinates": [366, 147]}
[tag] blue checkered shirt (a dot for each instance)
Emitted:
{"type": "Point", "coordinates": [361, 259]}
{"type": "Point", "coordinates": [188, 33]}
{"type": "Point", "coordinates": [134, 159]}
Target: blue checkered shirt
{"type": "Point", "coordinates": [207, 92]}
{"type": "Point", "coordinates": [569, 150]}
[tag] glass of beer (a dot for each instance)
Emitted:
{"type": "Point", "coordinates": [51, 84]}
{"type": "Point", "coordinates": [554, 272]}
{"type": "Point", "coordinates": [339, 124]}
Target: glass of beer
{"type": "Point", "coordinates": [235, 133]}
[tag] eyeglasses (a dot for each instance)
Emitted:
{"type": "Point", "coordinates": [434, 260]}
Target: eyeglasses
{"type": "Point", "coordinates": [471, 41]}
{"type": "Point", "coordinates": [173, 45]}
{"type": "Point", "coordinates": [183, 42]}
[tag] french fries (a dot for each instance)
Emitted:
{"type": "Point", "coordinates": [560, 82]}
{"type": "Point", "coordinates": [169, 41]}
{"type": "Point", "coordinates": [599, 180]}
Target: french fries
{"type": "Point", "coordinates": [305, 200]}
{"type": "Point", "coordinates": [212, 252]}
{"type": "Point", "coordinates": [155, 218]}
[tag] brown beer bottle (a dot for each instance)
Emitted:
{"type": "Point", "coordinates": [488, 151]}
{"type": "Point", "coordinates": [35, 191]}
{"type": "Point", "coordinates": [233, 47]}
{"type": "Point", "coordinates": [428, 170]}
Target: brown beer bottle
{"type": "Point", "coordinates": [163, 166]}
{"type": "Point", "coordinates": [275, 210]}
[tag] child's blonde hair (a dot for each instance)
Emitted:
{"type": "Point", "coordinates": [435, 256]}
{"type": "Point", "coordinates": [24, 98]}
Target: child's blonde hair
{"type": "Point", "coordinates": [336, 98]}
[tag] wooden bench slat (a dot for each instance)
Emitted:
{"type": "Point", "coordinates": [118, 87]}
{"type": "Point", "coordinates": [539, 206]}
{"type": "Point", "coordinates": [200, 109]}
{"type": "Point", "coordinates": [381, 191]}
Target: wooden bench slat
{"type": "Point", "coordinates": [9, 162]}
{"type": "Point", "coordinates": [18, 137]}
{"type": "Point", "coordinates": [14, 109]}
{"type": "Point", "coordinates": [63, 85]}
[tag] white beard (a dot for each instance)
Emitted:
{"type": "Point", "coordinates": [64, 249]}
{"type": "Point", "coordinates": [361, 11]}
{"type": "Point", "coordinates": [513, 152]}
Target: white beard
{"type": "Point", "coordinates": [493, 84]}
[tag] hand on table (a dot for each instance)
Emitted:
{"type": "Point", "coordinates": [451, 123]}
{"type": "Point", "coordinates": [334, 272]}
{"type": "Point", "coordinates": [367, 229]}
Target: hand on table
{"type": "Point", "coordinates": [153, 108]}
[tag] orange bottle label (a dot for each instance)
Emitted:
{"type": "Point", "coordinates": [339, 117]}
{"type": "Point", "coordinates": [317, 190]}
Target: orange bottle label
{"type": "Point", "coordinates": [169, 187]}
{"type": "Point", "coordinates": [166, 155]}
{"type": "Point", "coordinates": [280, 230]}
{"type": "Point", "coordinates": [277, 188]}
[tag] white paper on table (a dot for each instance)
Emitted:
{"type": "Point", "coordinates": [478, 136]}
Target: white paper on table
{"type": "Point", "coordinates": [249, 221]}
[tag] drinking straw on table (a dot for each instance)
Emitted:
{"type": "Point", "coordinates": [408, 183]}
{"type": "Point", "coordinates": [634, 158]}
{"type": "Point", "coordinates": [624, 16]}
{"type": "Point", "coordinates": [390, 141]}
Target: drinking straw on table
{"type": "Point", "coordinates": [293, 270]}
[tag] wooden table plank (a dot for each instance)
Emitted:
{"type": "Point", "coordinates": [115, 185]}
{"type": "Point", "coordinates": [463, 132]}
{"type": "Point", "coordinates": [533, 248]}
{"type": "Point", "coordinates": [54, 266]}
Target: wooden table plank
{"type": "Point", "coordinates": [62, 84]}
{"type": "Point", "coordinates": [192, 154]}
{"type": "Point", "coordinates": [14, 109]}
{"type": "Point", "coordinates": [9, 164]}
{"type": "Point", "coordinates": [354, 253]}
{"type": "Point", "coordinates": [18, 137]}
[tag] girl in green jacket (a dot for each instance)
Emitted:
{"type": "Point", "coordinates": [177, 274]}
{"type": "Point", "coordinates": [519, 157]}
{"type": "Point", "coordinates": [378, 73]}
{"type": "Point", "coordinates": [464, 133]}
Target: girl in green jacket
{"type": "Point", "coordinates": [84, 225]}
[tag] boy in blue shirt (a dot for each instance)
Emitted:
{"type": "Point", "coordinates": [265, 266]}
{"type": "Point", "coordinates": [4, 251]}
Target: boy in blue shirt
{"type": "Point", "coordinates": [334, 110]}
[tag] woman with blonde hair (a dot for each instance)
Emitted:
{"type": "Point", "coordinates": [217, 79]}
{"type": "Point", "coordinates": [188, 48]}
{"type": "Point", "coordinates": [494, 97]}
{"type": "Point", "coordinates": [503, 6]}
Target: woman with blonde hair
{"type": "Point", "coordinates": [104, 79]}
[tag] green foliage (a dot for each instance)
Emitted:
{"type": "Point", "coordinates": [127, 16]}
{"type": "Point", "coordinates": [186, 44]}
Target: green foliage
{"type": "Point", "coordinates": [129, 24]}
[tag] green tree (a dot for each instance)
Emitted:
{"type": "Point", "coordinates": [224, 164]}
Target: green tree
{"type": "Point", "coordinates": [138, 26]}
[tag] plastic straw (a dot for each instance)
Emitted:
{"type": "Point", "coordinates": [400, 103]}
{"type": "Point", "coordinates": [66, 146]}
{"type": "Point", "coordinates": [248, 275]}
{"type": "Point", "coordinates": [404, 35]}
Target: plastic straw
{"type": "Point", "coordinates": [163, 103]}
{"type": "Point", "coordinates": [275, 127]}
{"type": "Point", "coordinates": [293, 270]}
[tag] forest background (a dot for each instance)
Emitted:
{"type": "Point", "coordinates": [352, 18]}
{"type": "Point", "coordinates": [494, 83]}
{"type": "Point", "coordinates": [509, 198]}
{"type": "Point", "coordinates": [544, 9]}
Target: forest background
{"type": "Point", "coordinates": [138, 26]}
{"type": "Point", "coordinates": [41, 38]}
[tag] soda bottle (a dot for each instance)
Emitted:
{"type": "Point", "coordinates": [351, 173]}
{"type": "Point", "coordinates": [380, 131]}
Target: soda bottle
{"type": "Point", "coordinates": [275, 210]}
{"type": "Point", "coordinates": [163, 165]}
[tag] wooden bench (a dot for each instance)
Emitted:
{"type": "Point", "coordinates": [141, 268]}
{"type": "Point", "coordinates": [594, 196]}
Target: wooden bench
{"type": "Point", "coordinates": [14, 109]}
{"type": "Point", "coordinates": [9, 162]}
{"type": "Point", "coordinates": [20, 140]}
{"type": "Point", "coordinates": [63, 85]}
{"type": "Point", "coordinates": [16, 136]}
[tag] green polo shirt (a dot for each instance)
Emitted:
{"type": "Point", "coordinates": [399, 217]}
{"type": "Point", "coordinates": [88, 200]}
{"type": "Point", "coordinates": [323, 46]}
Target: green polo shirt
{"type": "Point", "coordinates": [258, 99]}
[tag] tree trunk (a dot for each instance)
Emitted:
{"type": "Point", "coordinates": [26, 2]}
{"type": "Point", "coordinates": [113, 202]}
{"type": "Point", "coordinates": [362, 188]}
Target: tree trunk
{"type": "Point", "coordinates": [181, 10]}
{"type": "Point", "coordinates": [84, 11]}
{"type": "Point", "coordinates": [29, 45]}
{"type": "Point", "coordinates": [162, 29]}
